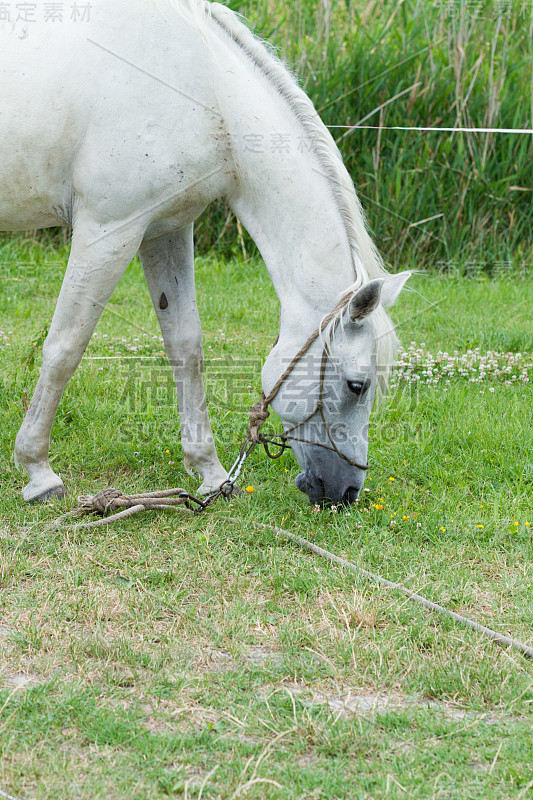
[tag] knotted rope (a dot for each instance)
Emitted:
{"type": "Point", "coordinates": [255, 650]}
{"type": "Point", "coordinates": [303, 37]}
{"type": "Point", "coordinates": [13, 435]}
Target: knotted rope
{"type": "Point", "coordinates": [122, 506]}
{"type": "Point", "coordinates": [257, 415]}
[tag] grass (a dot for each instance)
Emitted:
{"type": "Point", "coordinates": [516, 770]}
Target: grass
{"type": "Point", "coordinates": [173, 657]}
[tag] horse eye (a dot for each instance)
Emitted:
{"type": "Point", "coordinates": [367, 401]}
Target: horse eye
{"type": "Point", "coordinates": [358, 387]}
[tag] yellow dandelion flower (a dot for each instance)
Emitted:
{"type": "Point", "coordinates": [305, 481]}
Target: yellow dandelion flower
{"type": "Point", "coordinates": [167, 452]}
{"type": "Point", "coordinates": [250, 489]}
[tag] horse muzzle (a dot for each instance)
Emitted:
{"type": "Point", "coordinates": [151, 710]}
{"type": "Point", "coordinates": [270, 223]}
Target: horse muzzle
{"type": "Point", "coordinates": [330, 489]}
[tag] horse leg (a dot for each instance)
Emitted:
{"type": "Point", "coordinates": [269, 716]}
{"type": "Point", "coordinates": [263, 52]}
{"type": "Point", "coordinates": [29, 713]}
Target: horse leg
{"type": "Point", "coordinates": [168, 264]}
{"type": "Point", "coordinates": [96, 264]}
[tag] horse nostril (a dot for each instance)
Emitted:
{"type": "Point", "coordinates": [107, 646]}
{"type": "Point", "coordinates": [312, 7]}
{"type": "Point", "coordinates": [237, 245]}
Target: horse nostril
{"type": "Point", "coordinates": [312, 485]}
{"type": "Point", "coordinates": [350, 495]}
{"type": "Point", "coordinates": [301, 482]}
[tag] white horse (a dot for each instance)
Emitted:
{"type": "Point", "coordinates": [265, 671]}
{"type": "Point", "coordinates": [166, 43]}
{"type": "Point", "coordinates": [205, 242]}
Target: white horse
{"type": "Point", "coordinates": [126, 125]}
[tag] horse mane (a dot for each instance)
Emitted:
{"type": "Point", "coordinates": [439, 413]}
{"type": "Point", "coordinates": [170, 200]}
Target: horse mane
{"type": "Point", "coordinates": [367, 262]}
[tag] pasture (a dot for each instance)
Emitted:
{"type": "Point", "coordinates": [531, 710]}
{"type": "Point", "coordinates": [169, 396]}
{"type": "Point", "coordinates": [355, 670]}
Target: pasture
{"type": "Point", "coordinates": [173, 656]}
{"type": "Point", "coordinates": [195, 657]}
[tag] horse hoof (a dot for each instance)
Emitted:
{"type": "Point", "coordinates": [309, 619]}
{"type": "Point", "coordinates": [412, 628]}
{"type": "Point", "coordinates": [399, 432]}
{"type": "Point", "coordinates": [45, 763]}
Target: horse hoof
{"type": "Point", "coordinates": [43, 496]}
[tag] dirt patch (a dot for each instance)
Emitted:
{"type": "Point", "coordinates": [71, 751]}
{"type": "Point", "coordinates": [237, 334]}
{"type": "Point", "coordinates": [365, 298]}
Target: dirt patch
{"type": "Point", "coordinates": [182, 719]}
{"type": "Point", "coordinates": [353, 703]}
{"type": "Point", "coordinates": [5, 640]}
{"type": "Point", "coordinates": [22, 680]}
{"type": "Point", "coordinates": [222, 661]}
{"type": "Point", "coordinates": [259, 655]}
{"type": "Point", "coordinates": [214, 661]}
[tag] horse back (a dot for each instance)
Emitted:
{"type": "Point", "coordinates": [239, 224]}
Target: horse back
{"type": "Point", "coordinates": [117, 113]}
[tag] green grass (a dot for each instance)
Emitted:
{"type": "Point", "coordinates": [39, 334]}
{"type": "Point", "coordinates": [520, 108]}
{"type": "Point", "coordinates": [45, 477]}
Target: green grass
{"type": "Point", "coordinates": [171, 657]}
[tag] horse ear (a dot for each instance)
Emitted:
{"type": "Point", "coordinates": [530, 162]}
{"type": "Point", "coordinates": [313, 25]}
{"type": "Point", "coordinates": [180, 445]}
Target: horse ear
{"type": "Point", "coordinates": [365, 300]}
{"type": "Point", "coordinates": [392, 288]}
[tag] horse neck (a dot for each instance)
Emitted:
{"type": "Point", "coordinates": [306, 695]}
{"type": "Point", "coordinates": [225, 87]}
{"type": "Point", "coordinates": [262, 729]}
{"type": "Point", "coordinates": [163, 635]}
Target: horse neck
{"type": "Point", "coordinates": [288, 208]}
{"type": "Point", "coordinates": [282, 195]}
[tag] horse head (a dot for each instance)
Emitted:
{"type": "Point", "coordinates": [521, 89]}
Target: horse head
{"type": "Point", "coordinates": [326, 399]}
